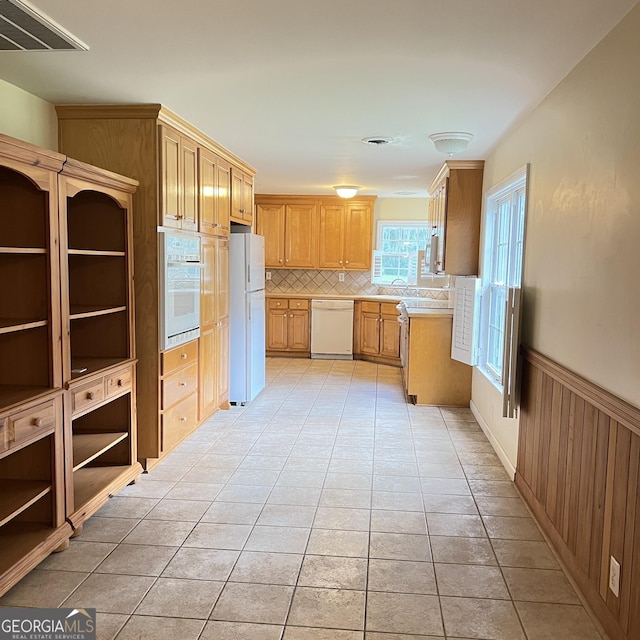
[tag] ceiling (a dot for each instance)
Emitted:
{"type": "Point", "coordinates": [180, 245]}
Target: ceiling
{"type": "Point", "coordinates": [292, 86]}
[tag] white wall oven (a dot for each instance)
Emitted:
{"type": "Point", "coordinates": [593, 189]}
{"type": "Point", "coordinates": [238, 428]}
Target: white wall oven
{"type": "Point", "coordinates": [180, 269]}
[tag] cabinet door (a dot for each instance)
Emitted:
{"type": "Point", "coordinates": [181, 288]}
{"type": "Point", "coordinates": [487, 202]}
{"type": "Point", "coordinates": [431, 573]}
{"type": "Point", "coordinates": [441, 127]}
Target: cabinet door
{"type": "Point", "coordinates": [298, 330]}
{"type": "Point", "coordinates": [389, 336]}
{"type": "Point", "coordinates": [357, 236]}
{"type": "Point", "coordinates": [223, 196]}
{"type": "Point", "coordinates": [331, 244]}
{"type": "Point", "coordinates": [270, 223]}
{"type": "Point", "coordinates": [370, 333]}
{"type": "Point", "coordinates": [222, 363]}
{"type": "Point", "coordinates": [208, 282]}
{"type": "Point", "coordinates": [170, 177]}
{"type": "Point", "coordinates": [277, 329]}
{"type": "Point", "coordinates": [189, 179]}
{"type": "Point", "coordinates": [208, 188]}
{"type": "Point", "coordinates": [221, 279]}
{"type": "Point", "coordinates": [300, 224]}
{"type": "Point", "coordinates": [207, 382]}
{"type": "Point", "coordinates": [237, 195]}
{"type": "Point", "coordinates": [247, 199]}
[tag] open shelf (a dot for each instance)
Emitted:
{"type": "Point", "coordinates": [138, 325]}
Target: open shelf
{"type": "Point", "coordinates": [91, 252]}
{"type": "Point", "coordinates": [9, 325]}
{"type": "Point", "coordinates": [12, 394]}
{"type": "Point", "coordinates": [22, 250]}
{"type": "Point", "coordinates": [86, 366]}
{"type": "Point", "coordinates": [79, 311]}
{"type": "Point", "coordinates": [89, 482]}
{"type": "Point", "coordinates": [18, 495]}
{"type": "Point", "coordinates": [19, 539]}
{"type": "Point", "coordinates": [89, 446]}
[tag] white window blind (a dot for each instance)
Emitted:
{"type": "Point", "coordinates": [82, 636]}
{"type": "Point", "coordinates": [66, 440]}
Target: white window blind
{"type": "Point", "coordinates": [464, 341]}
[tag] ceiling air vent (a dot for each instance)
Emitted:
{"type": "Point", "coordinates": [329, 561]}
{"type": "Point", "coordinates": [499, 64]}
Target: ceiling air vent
{"type": "Point", "coordinates": [22, 28]}
{"type": "Point", "coordinates": [379, 141]}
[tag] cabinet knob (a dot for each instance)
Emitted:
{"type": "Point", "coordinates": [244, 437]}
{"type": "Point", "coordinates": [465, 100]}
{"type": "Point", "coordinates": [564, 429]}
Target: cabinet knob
{"type": "Point", "coordinates": [183, 419]}
{"type": "Point", "coordinates": [37, 422]}
{"type": "Point", "coordinates": [183, 356]}
{"type": "Point", "coordinates": [287, 260]}
{"type": "Point", "coordinates": [298, 304]}
{"type": "Point", "coordinates": [90, 395]}
{"type": "Point", "coordinates": [340, 261]}
{"type": "Point", "coordinates": [277, 304]}
{"type": "Point", "coordinates": [346, 262]}
{"type": "Point", "coordinates": [280, 261]}
{"type": "Point", "coordinates": [119, 383]}
{"type": "Point", "coordinates": [182, 384]}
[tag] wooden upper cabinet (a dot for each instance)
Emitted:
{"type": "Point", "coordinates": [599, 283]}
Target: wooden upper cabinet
{"type": "Point", "coordinates": [358, 228]}
{"type": "Point", "coordinates": [454, 215]}
{"type": "Point", "coordinates": [311, 232]}
{"type": "Point", "coordinates": [241, 197]}
{"type": "Point", "coordinates": [214, 193]}
{"type": "Point", "coordinates": [345, 236]}
{"type": "Point", "coordinates": [270, 224]}
{"type": "Point", "coordinates": [331, 236]}
{"type": "Point", "coordinates": [179, 178]}
{"type": "Point", "coordinates": [300, 242]}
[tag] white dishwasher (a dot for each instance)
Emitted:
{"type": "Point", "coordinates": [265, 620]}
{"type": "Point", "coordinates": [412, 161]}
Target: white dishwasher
{"type": "Point", "coordinates": [332, 329]}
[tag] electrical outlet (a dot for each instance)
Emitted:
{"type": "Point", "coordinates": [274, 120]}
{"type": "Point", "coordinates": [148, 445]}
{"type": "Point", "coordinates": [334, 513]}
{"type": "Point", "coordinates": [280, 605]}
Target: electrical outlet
{"type": "Point", "coordinates": [614, 576]}
{"type": "Point", "coordinates": [267, 275]}
{"type": "Point", "coordinates": [341, 277]}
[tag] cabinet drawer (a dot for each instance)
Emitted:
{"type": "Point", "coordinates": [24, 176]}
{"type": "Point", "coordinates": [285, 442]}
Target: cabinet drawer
{"type": "Point", "coordinates": [178, 421]}
{"type": "Point", "coordinates": [179, 385]}
{"type": "Point", "coordinates": [371, 307]}
{"type": "Point", "coordinates": [277, 303]}
{"type": "Point", "coordinates": [36, 421]}
{"type": "Point", "coordinates": [118, 382]}
{"type": "Point", "coordinates": [179, 357]}
{"type": "Point", "coordinates": [298, 304]}
{"type": "Point", "coordinates": [86, 396]}
{"type": "Point", "coordinates": [389, 308]}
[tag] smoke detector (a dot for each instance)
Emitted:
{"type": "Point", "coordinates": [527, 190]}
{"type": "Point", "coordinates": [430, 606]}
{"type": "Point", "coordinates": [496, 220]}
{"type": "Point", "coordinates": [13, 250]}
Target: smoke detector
{"type": "Point", "coordinates": [379, 141]}
{"type": "Point", "coordinates": [23, 28]}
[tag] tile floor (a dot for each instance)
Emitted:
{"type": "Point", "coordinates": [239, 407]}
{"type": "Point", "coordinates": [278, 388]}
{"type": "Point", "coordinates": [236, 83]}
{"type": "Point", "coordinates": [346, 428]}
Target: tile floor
{"type": "Point", "coordinates": [327, 509]}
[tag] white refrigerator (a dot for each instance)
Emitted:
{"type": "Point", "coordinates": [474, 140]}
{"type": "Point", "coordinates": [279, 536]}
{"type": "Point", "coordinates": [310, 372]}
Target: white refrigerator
{"type": "Point", "coordinates": [247, 317]}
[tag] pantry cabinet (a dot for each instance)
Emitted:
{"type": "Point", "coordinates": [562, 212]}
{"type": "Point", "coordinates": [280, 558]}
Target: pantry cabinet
{"type": "Point", "coordinates": [312, 232]}
{"type": "Point", "coordinates": [157, 147]}
{"type": "Point", "coordinates": [454, 215]}
{"type": "Point", "coordinates": [288, 326]}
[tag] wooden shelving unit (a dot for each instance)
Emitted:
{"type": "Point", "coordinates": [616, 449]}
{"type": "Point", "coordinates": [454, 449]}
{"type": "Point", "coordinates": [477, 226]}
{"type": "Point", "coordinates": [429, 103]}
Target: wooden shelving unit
{"type": "Point", "coordinates": [32, 517]}
{"type": "Point", "coordinates": [98, 341]}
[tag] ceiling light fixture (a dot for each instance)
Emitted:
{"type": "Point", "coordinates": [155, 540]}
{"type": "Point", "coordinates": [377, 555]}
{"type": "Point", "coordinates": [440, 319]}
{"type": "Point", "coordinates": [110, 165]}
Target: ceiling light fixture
{"type": "Point", "coordinates": [451, 142]}
{"type": "Point", "coordinates": [346, 190]}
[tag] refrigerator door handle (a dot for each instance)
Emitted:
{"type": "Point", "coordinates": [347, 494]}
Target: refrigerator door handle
{"type": "Point", "coordinates": [249, 275]}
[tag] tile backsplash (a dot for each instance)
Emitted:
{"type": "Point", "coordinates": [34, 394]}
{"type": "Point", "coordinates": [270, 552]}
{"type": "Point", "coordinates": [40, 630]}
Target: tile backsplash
{"type": "Point", "coordinates": [355, 282]}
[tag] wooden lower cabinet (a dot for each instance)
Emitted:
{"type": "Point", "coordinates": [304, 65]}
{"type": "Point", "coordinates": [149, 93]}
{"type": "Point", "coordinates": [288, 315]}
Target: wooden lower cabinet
{"type": "Point", "coordinates": [288, 327]}
{"type": "Point", "coordinates": [378, 332]}
{"type": "Point", "coordinates": [431, 377]}
{"type": "Point", "coordinates": [179, 394]}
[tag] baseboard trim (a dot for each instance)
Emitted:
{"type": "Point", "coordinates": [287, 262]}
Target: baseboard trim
{"type": "Point", "coordinates": [500, 452]}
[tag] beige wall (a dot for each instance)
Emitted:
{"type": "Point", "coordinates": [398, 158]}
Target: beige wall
{"type": "Point", "coordinates": [26, 117]}
{"type": "Point", "coordinates": [582, 242]}
{"type": "Point", "coordinates": [405, 209]}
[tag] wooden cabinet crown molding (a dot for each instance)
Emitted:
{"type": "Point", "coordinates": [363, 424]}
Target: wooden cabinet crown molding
{"type": "Point", "coordinates": [155, 112]}
{"type": "Point", "coordinates": [273, 198]}
{"type": "Point", "coordinates": [450, 165]}
{"type": "Point", "coordinates": [99, 177]}
{"type": "Point", "coordinates": [14, 150]}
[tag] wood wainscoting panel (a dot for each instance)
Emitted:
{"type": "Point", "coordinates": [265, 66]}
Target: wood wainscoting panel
{"type": "Point", "coordinates": [579, 471]}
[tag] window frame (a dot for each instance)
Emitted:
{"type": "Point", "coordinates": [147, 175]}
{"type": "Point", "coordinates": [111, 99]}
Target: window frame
{"type": "Point", "coordinates": [381, 226]}
{"type": "Point", "coordinates": [514, 191]}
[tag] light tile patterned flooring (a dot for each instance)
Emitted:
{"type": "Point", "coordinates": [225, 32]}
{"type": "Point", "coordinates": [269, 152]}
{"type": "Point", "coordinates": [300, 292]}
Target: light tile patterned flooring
{"type": "Point", "coordinates": [327, 509]}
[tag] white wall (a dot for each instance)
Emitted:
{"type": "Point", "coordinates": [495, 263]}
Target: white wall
{"type": "Point", "coordinates": [26, 117]}
{"type": "Point", "coordinates": [582, 242]}
{"type": "Point", "coordinates": [405, 209]}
